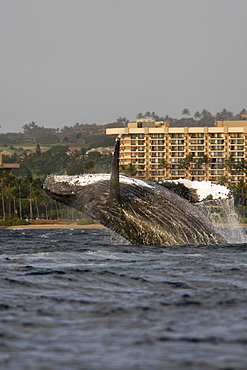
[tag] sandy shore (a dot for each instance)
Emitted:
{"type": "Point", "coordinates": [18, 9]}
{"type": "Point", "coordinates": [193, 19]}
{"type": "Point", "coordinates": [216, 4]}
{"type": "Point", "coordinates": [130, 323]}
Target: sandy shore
{"type": "Point", "coordinates": [75, 226]}
{"type": "Point", "coordinates": [56, 226]}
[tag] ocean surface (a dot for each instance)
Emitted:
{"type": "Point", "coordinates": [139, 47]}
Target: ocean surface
{"type": "Point", "coordinates": [85, 299]}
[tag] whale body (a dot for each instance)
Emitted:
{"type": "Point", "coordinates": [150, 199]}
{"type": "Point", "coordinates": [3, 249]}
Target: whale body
{"type": "Point", "coordinates": [142, 212]}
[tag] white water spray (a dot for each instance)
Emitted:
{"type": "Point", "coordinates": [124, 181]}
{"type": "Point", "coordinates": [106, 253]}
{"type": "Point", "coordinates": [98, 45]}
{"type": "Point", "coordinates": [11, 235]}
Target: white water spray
{"type": "Point", "coordinates": [222, 213]}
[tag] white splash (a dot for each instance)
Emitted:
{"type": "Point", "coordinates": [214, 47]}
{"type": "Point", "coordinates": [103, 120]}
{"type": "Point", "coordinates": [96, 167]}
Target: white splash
{"type": "Point", "coordinates": [205, 189]}
{"type": "Point", "coordinates": [87, 179]}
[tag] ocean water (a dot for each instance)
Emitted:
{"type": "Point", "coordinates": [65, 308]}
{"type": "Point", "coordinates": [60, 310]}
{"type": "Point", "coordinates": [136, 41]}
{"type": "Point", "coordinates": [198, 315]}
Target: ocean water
{"type": "Point", "coordinates": [85, 299]}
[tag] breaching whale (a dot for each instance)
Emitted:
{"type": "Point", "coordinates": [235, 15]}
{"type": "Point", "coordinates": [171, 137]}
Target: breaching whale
{"type": "Point", "coordinates": [142, 212]}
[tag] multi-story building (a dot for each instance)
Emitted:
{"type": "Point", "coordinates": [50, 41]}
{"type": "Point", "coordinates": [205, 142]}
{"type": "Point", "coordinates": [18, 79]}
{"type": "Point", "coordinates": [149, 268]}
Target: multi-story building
{"type": "Point", "coordinates": [198, 153]}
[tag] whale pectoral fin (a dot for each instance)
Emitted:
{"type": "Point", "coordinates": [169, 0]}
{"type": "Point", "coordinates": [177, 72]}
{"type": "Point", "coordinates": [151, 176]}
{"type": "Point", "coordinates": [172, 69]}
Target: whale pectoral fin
{"type": "Point", "coordinates": [114, 181]}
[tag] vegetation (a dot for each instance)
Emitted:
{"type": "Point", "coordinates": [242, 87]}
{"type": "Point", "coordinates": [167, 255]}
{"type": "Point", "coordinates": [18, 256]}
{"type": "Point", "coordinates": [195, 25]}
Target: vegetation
{"type": "Point", "coordinates": [85, 221]}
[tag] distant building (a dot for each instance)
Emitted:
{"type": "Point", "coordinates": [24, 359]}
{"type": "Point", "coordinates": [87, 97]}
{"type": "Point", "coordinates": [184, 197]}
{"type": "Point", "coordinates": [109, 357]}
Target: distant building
{"type": "Point", "coordinates": [197, 153]}
{"type": "Point", "coordinates": [101, 150]}
{"type": "Point", "coordinates": [7, 153]}
{"type": "Point", "coordinates": [7, 167]}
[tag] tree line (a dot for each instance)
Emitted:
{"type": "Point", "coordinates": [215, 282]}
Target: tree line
{"type": "Point", "coordinates": [203, 118]}
{"type": "Point", "coordinates": [92, 135]}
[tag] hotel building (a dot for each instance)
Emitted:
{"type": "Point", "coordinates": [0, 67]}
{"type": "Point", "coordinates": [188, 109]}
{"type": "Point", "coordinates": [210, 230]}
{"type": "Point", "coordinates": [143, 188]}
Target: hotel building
{"type": "Point", "coordinates": [198, 153]}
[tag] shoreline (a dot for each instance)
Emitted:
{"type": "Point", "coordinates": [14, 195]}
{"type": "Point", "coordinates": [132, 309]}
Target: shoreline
{"type": "Point", "coordinates": [56, 226]}
{"type": "Point", "coordinates": [75, 226]}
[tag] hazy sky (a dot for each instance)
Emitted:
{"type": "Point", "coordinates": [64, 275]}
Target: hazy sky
{"type": "Point", "coordinates": [91, 61]}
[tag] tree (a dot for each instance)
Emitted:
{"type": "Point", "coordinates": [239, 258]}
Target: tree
{"type": "Point", "coordinates": [129, 169]}
{"type": "Point", "coordinates": [224, 115]}
{"type": "Point", "coordinates": [197, 115]}
{"type": "Point", "coordinates": [65, 140]}
{"type": "Point", "coordinates": [2, 177]}
{"type": "Point", "coordinates": [19, 183]}
{"type": "Point", "coordinates": [230, 162]}
{"type": "Point", "coordinates": [38, 150]}
{"type": "Point", "coordinates": [240, 166]}
{"type": "Point", "coordinates": [186, 162]}
{"type": "Point", "coordinates": [139, 116]}
{"type": "Point", "coordinates": [147, 114]}
{"type": "Point", "coordinates": [186, 112]}
{"type": "Point", "coordinates": [207, 118]}
{"type": "Point", "coordinates": [243, 111]}
{"type": "Point", "coordinates": [164, 164]}
{"type": "Point", "coordinates": [203, 160]}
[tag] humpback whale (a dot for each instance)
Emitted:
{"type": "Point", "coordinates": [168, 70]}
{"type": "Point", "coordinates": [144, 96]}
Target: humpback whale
{"type": "Point", "coordinates": [143, 212]}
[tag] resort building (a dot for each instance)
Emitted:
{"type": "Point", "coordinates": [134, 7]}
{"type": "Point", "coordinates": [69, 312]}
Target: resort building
{"type": "Point", "coordinates": [198, 153]}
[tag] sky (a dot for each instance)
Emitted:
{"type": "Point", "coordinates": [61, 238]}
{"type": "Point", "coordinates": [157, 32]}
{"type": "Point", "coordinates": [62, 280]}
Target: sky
{"type": "Point", "coordinates": [92, 61]}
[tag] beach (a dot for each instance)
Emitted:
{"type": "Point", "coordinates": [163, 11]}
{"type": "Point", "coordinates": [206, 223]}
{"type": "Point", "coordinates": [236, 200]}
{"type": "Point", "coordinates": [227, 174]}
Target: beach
{"type": "Point", "coordinates": [56, 226]}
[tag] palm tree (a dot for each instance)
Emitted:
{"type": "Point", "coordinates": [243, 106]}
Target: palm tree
{"type": "Point", "coordinates": [241, 166]}
{"type": "Point", "coordinates": [30, 184]}
{"type": "Point", "coordinates": [2, 177]}
{"type": "Point", "coordinates": [230, 162]}
{"type": "Point", "coordinates": [197, 116]}
{"type": "Point", "coordinates": [186, 162]}
{"type": "Point", "coordinates": [44, 201]}
{"type": "Point", "coordinates": [186, 112]}
{"type": "Point", "coordinates": [164, 164]}
{"type": "Point", "coordinates": [129, 169]}
{"type": "Point", "coordinates": [18, 184]}
{"type": "Point", "coordinates": [203, 160]}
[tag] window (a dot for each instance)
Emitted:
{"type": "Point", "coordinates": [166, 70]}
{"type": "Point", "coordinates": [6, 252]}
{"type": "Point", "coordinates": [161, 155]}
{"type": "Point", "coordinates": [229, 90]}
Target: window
{"type": "Point", "coordinates": [177, 148]}
{"type": "Point", "coordinates": [237, 141]}
{"type": "Point", "coordinates": [195, 135]}
{"type": "Point", "coordinates": [197, 147]}
{"type": "Point", "coordinates": [216, 135]}
{"type": "Point", "coordinates": [177, 154]}
{"type": "Point", "coordinates": [237, 134]}
{"type": "Point", "coordinates": [215, 172]}
{"type": "Point", "coordinates": [178, 173]}
{"type": "Point", "coordinates": [196, 141]}
{"type": "Point", "coordinates": [174, 136]}
{"type": "Point", "coordinates": [197, 166]}
{"type": "Point", "coordinates": [217, 160]}
{"type": "Point", "coordinates": [200, 172]}
{"type": "Point", "coordinates": [217, 154]}
{"type": "Point", "coordinates": [216, 166]}
{"type": "Point", "coordinates": [237, 147]}
{"type": "Point", "coordinates": [217, 147]}
{"type": "Point", "coordinates": [176, 142]}
{"type": "Point", "coordinates": [216, 141]}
